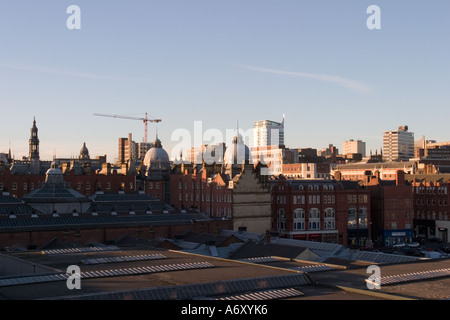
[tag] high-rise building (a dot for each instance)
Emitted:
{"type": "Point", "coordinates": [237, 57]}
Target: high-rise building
{"type": "Point", "coordinates": [268, 144]}
{"type": "Point", "coordinates": [268, 133]}
{"type": "Point", "coordinates": [398, 145]}
{"type": "Point", "coordinates": [128, 149]}
{"type": "Point", "coordinates": [354, 146]}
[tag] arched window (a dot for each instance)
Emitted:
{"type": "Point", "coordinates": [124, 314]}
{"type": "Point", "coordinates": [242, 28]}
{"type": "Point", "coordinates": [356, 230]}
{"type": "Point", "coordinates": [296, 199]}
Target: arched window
{"type": "Point", "coordinates": [329, 219]}
{"type": "Point", "coordinates": [314, 219]}
{"type": "Point", "coordinates": [299, 219]}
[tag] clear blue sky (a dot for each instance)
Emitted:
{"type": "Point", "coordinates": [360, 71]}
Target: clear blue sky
{"type": "Point", "coordinates": [219, 61]}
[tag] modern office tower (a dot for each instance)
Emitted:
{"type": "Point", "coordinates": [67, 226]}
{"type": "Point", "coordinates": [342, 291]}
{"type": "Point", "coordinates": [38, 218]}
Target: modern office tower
{"type": "Point", "coordinates": [398, 145]}
{"type": "Point", "coordinates": [268, 133]}
{"type": "Point", "coordinates": [354, 146]}
{"type": "Point", "coordinates": [128, 149]}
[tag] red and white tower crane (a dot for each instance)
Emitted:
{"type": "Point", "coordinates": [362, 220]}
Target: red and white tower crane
{"type": "Point", "coordinates": [146, 120]}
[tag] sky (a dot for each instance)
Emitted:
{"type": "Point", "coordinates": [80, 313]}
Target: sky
{"type": "Point", "coordinates": [221, 62]}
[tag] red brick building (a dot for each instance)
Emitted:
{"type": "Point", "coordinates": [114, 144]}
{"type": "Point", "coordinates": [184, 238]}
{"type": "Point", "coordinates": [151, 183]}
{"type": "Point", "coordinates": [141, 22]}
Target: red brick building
{"type": "Point", "coordinates": [392, 209]}
{"type": "Point", "coordinates": [87, 183]}
{"type": "Point", "coordinates": [321, 210]}
{"type": "Point", "coordinates": [431, 205]}
{"type": "Point", "coordinates": [202, 190]}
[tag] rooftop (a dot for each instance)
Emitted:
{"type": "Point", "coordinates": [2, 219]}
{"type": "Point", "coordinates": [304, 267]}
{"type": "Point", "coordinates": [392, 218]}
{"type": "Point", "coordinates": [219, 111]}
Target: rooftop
{"type": "Point", "coordinates": [146, 273]}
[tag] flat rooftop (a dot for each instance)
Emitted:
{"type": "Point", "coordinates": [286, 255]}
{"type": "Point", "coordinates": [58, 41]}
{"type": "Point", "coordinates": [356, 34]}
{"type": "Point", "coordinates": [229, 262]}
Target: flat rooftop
{"type": "Point", "coordinates": [146, 273]}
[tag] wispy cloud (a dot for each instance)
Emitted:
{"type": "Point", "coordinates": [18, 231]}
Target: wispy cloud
{"type": "Point", "coordinates": [348, 83]}
{"type": "Point", "coordinates": [66, 73]}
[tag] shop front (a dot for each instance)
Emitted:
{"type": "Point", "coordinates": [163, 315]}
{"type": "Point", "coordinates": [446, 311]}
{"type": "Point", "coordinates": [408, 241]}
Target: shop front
{"type": "Point", "coordinates": [393, 237]}
{"type": "Point", "coordinates": [357, 237]}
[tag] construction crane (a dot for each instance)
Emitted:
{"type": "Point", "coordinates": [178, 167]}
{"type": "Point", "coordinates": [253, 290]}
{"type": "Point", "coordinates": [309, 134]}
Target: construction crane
{"type": "Point", "coordinates": [145, 120]}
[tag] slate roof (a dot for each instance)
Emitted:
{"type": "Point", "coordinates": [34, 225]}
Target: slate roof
{"type": "Point", "coordinates": [95, 221]}
{"type": "Point", "coordinates": [124, 202]}
{"type": "Point", "coordinates": [12, 205]}
{"type": "Point", "coordinates": [253, 249]}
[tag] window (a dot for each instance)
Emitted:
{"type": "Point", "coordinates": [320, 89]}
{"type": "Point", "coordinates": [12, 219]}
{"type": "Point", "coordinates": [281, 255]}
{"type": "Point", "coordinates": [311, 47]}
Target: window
{"type": "Point", "coordinates": [351, 218]}
{"type": "Point", "coordinates": [314, 219]}
{"type": "Point", "coordinates": [25, 186]}
{"type": "Point", "coordinates": [281, 219]}
{"type": "Point", "coordinates": [150, 185]}
{"type": "Point", "coordinates": [108, 186]}
{"type": "Point", "coordinates": [329, 219]}
{"type": "Point", "coordinates": [299, 199]}
{"type": "Point", "coordinates": [157, 185]}
{"type": "Point", "coordinates": [180, 196]}
{"type": "Point", "coordinates": [88, 185]}
{"type": "Point", "coordinates": [1, 185]}
{"type": "Point", "coordinates": [180, 185]}
{"type": "Point", "coordinates": [362, 218]}
{"type": "Point", "coordinates": [299, 219]}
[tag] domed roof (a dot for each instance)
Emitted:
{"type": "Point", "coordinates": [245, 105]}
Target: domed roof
{"type": "Point", "coordinates": [237, 152]}
{"type": "Point", "coordinates": [54, 174]}
{"type": "Point", "coordinates": [156, 155]}
{"type": "Point", "coordinates": [84, 152]}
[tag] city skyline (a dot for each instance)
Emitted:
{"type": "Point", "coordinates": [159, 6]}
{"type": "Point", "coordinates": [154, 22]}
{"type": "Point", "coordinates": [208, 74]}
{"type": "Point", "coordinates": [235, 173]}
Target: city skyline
{"type": "Point", "coordinates": [219, 63]}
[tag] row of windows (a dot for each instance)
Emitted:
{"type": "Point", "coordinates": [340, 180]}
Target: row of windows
{"type": "Point", "coordinates": [355, 199]}
{"type": "Point", "coordinates": [14, 186]}
{"type": "Point", "coordinates": [313, 219]}
{"type": "Point", "coordinates": [87, 186]}
{"type": "Point", "coordinates": [79, 185]}
{"type": "Point", "coordinates": [312, 199]}
{"type": "Point", "coordinates": [310, 187]}
{"type": "Point", "coordinates": [208, 197]}
{"type": "Point", "coordinates": [157, 185]}
{"type": "Point", "coordinates": [440, 202]}
{"type": "Point", "coordinates": [421, 214]}
{"type": "Point", "coordinates": [431, 190]}
{"type": "Point", "coordinates": [220, 212]}
{"type": "Point", "coordinates": [195, 186]}
{"type": "Point", "coordinates": [357, 219]}
{"type": "Point", "coordinates": [394, 225]}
